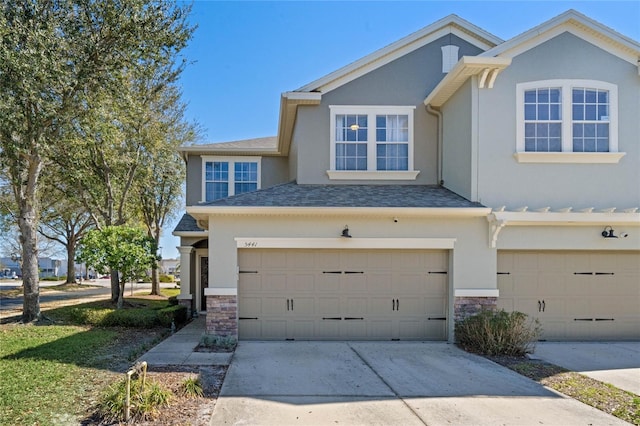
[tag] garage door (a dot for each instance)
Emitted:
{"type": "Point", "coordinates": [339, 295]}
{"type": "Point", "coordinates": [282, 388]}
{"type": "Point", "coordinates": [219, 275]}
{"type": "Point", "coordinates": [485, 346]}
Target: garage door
{"type": "Point", "coordinates": [575, 295]}
{"type": "Point", "coordinates": [342, 294]}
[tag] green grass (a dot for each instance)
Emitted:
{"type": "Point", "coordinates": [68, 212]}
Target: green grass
{"type": "Point", "coordinates": [170, 292]}
{"type": "Point", "coordinates": [50, 374]}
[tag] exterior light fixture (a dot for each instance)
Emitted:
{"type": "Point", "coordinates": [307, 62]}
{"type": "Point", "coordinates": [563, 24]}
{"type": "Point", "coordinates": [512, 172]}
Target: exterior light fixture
{"type": "Point", "coordinates": [345, 232]}
{"type": "Point", "coordinates": [608, 233]}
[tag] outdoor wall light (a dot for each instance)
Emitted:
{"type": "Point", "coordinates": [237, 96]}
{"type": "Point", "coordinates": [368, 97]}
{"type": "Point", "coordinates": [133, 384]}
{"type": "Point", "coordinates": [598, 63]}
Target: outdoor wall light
{"type": "Point", "coordinates": [608, 232]}
{"type": "Point", "coordinates": [345, 232]}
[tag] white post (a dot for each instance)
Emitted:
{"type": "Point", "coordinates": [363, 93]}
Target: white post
{"type": "Point", "coordinates": [185, 272]}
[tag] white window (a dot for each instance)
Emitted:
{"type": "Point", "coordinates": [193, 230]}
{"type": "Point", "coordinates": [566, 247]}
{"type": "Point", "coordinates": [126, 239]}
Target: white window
{"type": "Point", "coordinates": [567, 121]}
{"type": "Point", "coordinates": [371, 142]}
{"type": "Point", "coordinates": [227, 176]}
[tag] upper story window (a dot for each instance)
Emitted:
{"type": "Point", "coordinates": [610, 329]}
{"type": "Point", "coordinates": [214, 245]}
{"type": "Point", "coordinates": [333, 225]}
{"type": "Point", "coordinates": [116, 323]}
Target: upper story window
{"type": "Point", "coordinates": [367, 139]}
{"type": "Point", "coordinates": [227, 176]}
{"type": "Point", "coordinates": [562, 120]}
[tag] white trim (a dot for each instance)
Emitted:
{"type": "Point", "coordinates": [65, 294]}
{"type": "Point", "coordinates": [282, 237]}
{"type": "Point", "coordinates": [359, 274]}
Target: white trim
{"type": "Point", "coordinates": [566, 86]}
{"type": "Point", "coordinates": [372, 175]}
{"type": "Point", "coordinates": [569, 157]}
{"type": "Point", "coordinates": [221, 291]}
{"type": "Point", "coordinates": [203, 212]}
{"type": "Point", "coordinates": [576, 24]}
{"type": "Point", "coordinates": [346, 243]}
{"type": "Point", "coordinates": [185, 297]}
{"type": "Point", "coordinates": [371, 111]}
{"type": "Point", "coordinates": [190, 233]}
{"type": "Point", "coordinates": [303, 96]}
{"type": "Point", "coordinates": [231, 161]}
{"type": "Point", "coordinates": [475, 292]}
{"type": "Point", "coordinates": [564, 218]}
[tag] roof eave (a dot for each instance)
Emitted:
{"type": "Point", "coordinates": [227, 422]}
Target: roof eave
{"type": "Point", "coordinates": [289, 102]}
{"type": "Point", "coordinates": [467, 66]}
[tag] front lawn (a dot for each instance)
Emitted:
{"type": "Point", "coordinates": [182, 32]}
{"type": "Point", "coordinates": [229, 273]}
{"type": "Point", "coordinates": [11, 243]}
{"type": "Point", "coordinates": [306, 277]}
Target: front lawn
{"type": "Point", "coordinates": [53, 373]}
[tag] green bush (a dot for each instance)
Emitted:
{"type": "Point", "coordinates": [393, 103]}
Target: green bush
{"type": "Point", "coordinates": [191, 388]}
{"type": "Point", "coordinates": [175, 313]}
{"type": "Point", "coordinates": [498, 333]}
{"type": "Point", "coordinates": [173, 300]}
{"type": "Point", "coordinates": [165, 278]}
{"type": "Point", "coordinates": [144, 402]}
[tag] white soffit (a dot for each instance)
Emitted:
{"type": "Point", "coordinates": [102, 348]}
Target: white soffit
{"type": "Point", "coordinates": [486, 68]}
{"type": "Point", "coordinates": [577, 24]}
{"type": "Point", "coordinates": [570, 218]}
{"type": "Point", "coordinates": [451, 24]}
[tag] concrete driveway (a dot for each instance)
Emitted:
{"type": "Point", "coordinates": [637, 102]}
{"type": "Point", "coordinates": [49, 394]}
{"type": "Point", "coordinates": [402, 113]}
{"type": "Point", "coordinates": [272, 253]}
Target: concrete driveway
{"type": "Point", "coordinates": [385, 383]}
{"type": "Point", "coordinates": [617, 363]}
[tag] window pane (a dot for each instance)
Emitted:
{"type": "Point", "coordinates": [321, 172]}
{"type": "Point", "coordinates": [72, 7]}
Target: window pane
{"type": "Point", "coordinates": [543, 112]}
{"type": "Point", "coordinates": [590, 96]}
{"type": "Point", "coordinates": [555, 145]}
{"type": "Point", "coordinates": [241, 187]}
{"type": "Point", "coordinates": [392, 157]}
{"type": "Point", "coordinates": [351, 156]}
{"type": "Point", "coordinates": [554, 112]}
{"type": "Point", "coordinates": [578, 96]}
{"type": "Point", "coordinates": [543, 96]}
{"type": "Point", "coordinates": [590, 112]}
{"type": "Point", "coordinates": [603, 96]}
{"type": "Point", "coordinates": [530, 96]}
{"type": "Point", "coordinates": [554, 95]}
{"type": "Point", "coordinates": [590, 145]}
{"type": "Point", "coordinates": [603, 113]}
{"type": "Point", "coordinates": [208, 171]}
{"type": "Point", "coordinates": [578, 112]}
{"type": "Point", "coordinates": [530, 144]}
{"type": "Point", "coordinates": [555, 130]}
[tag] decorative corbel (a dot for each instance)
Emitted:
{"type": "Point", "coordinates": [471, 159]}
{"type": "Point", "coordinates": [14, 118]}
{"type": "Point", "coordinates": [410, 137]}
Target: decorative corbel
{"type": "Point", "coordinates": [494, 229]}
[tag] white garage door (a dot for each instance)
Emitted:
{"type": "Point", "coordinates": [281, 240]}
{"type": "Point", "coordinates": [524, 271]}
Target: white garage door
{"type": "Point", "coordinates": [342, 294]}
{"type": "Point", "coordinates": [575, 295]}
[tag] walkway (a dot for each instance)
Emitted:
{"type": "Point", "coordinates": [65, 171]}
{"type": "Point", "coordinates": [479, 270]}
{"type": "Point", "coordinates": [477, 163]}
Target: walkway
{"type": "Point", "coordinates": [178, 349]}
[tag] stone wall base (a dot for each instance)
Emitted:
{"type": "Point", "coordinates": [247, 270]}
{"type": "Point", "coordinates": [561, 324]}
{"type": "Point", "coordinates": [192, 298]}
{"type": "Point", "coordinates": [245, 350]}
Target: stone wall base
{"type": "Point", "coordinates": [464, 307]}
{"type": "Point", "coordinates": [222, 316]}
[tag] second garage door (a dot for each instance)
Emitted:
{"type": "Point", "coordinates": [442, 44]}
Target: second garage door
{"type": "Point", "coordinates": [342, 294]}
{"type": "Point", "coordinates": [575, 295]}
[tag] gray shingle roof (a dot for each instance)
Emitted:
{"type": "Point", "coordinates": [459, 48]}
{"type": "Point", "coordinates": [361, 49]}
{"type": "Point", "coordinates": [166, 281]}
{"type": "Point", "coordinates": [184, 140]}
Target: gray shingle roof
{"type": "Point", "coordinates": [187, 224]}
{"type": "Point", "coordinates": [294, 195]}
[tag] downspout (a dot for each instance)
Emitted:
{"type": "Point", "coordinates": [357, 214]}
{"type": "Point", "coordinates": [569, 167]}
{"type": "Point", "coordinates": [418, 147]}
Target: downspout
{"type": "Point", "coordinates": [433, 111]}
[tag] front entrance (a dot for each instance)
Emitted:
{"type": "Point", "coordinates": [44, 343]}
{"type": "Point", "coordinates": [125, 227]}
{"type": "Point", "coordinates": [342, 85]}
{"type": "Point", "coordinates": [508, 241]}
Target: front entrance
{"type": "Point", "coordinates": [204, 281]}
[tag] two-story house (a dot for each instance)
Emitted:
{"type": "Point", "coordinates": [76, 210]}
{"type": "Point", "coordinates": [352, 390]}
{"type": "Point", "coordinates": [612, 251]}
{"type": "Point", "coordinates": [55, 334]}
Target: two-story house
{"type": "Point", "coordinates": [445, 173]}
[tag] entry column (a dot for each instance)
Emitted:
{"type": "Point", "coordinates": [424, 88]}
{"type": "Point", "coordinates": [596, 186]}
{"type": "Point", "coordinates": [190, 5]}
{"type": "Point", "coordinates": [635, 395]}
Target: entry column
{"type": "Point", "coordinates": [185, 297]}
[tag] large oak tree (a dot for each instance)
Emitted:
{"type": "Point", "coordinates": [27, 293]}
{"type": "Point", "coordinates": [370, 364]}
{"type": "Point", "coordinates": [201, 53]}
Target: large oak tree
{"type": "Point", "coordinates": [55, 57]}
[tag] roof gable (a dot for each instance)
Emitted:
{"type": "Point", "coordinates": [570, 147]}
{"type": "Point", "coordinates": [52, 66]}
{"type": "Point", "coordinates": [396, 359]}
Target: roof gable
{"type": "Point", "coordinates": [576, 23]}
{"type": "Point", "coordinates": [451, 24]}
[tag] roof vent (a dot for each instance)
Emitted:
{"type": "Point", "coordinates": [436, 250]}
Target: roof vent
{"type": "Point", "coordinates": [449, 57]}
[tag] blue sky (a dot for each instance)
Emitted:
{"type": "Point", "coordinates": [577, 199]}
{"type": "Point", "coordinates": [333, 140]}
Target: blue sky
{"type": "Point", "coordinates": [244, 54]}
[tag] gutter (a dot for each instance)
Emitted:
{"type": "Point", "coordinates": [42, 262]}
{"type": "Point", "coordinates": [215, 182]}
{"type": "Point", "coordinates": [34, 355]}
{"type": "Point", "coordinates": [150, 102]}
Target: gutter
{"type": "Point", "coordinates": [440, 154]}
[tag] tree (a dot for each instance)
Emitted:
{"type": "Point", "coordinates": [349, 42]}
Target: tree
{"type": "Point", "coordinates": [161, 175]}
{"type": "Point", "coordinates": [55, 56]}
{"type": "Point", "coordinates": [127, 250]}
{"type": "Point", "coordinates": [66, 223]}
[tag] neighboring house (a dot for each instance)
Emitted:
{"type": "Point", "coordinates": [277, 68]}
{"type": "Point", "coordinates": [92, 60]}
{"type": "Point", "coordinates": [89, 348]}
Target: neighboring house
{"type": "Point", "coordinates": [48, 267]}
{"type": "Point", "coordinates": [447, 172]}
{"type": "Point", "coordinates": [169, 266]}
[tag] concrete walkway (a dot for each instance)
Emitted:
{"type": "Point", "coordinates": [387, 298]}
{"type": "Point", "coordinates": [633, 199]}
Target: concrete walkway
{"type": "Point", "coordinates": [178, 349]}
{"type": "Point", "coordinates": [617, 363]}
{"type": "Point", "coordinates": [385, 383]}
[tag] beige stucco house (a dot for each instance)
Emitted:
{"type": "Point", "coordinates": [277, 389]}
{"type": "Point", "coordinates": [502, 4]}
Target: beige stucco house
{"type": "Point", "coordinates": [444, 173]}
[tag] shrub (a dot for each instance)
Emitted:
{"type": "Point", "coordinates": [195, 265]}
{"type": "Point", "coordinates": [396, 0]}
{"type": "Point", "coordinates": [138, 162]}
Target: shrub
{"type": "Point", "coordinates": [144, 402]}
{"type": "Point", "coordinates": [192, 388]}
{"type": "Point", "coordinates": [173, 300]}
{"type": "Point", "coordinates": [218, 343]}
{"type": "Point", "coordinates": [175, 313]}
{"type": "Point", "coordinates": [498, 333]}
{"type": "Point", "coordinates": [165, 278]}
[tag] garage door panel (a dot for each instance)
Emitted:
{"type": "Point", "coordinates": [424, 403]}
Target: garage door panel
{"type": "Point", "coordinates": [411, 329]}
{"type": "Point", "coordinates": [435, 329]}
{"type": "Point", "coordinates": [300, 282]}
{"type": "Point", "coordinates": [303, 306]}
{"type": "Point", "coordinates": [328, 282]}
{"type": "Point", "coordinates": [299, 260]}
{"type": "Point", "coordinates": [274, 282]}
{"type": "Point", "coordinates": [328, 306]}
{"type": "Point", "coordinates": [274, 329]}
{"type": "Point", "coordinates": [250, 306]}
{"type": "Point", "coordinates": [380, 260]}
{"type": "Point", "coordinates": [382, 305]}
{"type": "Point", "coordinates": [417, 306]}
{"type": "Point", "coordinates": [551, 283]}
{"type": "Point", "coordinates": [380, 328]}
{"type": "Point", "coordinates": [435, 306]}
{"type": "Point", "coordinates": [355, 306]}
{"type": "Point", "coordinates": [328, 329]}
{"type": "Point", "coordinates": [250, 282]}
{"type": "Point", "coordinates": [528, 305]}
{"type": "Point", "coordinates": [354, 283]}
{"type": "Point", "coordinates": [354, 261]}
{"type": "Point", "coordinates": [436, 284]}
{"type": "Point", "coordinates": [274, 305]}
{"type": "Point", "coordinates": [505, 284]}
{"type": "Point", "coordinates": [380, 283]}
{"type": "Point", "coordinates": [412, 284]}
{"type": "Point", "coordinates": [251, 329]}
{"type": "Point", "coordinates": [355, 329]}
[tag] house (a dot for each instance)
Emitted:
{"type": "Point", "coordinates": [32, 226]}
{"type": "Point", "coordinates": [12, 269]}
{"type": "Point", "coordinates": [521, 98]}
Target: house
{"type": "Point", "coordinates": [448, 172]}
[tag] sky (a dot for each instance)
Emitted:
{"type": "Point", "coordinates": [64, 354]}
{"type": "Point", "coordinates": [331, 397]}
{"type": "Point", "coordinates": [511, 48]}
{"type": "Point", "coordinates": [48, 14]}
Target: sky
{"type": "Point", "coordinates": [244, 54]}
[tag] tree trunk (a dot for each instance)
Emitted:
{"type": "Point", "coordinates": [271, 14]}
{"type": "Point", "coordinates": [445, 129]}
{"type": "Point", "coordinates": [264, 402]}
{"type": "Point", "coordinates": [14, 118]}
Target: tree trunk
{"type": "Point", "coordinates": [121, 295]}
{"type": "Point", "coordinates": [30, 272]}
{"type": "Point", "coordinates": [155, 281]}
{"type": "Point", "coordinates": [115, 286]}
{"type": "Point", "coordinates": [71, 262]}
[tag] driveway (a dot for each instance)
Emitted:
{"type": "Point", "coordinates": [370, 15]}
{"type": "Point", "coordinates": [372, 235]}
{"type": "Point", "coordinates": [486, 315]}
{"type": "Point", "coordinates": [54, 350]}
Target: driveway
{"type": "Point", "coordinates": [385, 383]}
{"type": "Point", "coordinates": [617, 363]}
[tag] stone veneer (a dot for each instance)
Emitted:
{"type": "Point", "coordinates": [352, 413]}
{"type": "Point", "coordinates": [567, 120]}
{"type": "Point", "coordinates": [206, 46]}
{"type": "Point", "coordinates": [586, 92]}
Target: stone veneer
{"type": "Point", "coordinates": [222, 316]}
{"type": "Point", "coordinates": [464, 307]}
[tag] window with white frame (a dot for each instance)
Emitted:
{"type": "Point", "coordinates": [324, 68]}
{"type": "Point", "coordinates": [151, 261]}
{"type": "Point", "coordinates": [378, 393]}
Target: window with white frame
{"type": "Point", "coordinates": [371, 139]}
{"type": "Point", "coordinates": [227, 176]}
{"type": "Point", "coordinates": [567, 116]}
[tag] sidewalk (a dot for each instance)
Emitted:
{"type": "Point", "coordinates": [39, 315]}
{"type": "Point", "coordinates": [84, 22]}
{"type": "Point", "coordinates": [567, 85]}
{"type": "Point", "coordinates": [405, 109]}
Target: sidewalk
{"type": "Point", "coordinates": [178, 349]}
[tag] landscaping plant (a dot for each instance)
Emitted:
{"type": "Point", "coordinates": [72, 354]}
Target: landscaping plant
{"type": "Point", "coordinates": [498, 333]}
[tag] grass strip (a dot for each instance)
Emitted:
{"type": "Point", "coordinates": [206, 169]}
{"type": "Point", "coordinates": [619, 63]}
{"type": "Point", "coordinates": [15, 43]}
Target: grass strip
{"type": "Point", "coordinates": [603, 396]}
